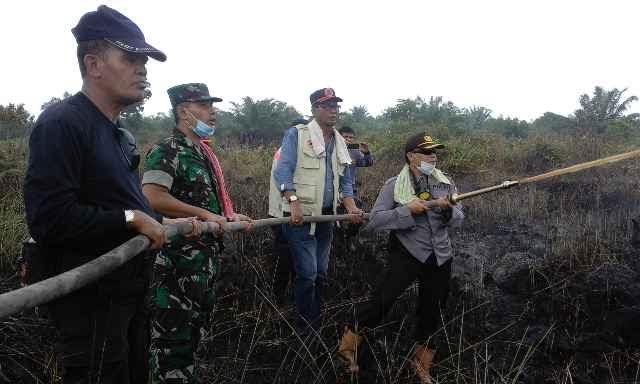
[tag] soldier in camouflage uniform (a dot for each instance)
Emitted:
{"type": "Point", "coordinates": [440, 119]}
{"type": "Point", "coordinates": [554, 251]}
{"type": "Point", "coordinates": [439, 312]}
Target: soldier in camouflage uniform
{"type": "Point", "coordinates": [180, 181]}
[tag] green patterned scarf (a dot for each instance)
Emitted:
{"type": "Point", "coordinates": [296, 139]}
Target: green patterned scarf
{"type": "Point", "coordinates": [404, 192]}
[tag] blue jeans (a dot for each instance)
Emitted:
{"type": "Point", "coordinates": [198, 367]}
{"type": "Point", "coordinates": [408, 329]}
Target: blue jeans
{"type": "Point", "coordinates": [310, 254]}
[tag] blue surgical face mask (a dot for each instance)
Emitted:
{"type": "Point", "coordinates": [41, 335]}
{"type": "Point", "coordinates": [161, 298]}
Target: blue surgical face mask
{"type": "Point", "coordinates": [426, 168]}
{"type": "Point", "coordinates": [203, 130]}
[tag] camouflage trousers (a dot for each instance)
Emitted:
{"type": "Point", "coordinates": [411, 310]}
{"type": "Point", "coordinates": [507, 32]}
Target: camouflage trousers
{"type": "Point", "coordinates": [182, 295]}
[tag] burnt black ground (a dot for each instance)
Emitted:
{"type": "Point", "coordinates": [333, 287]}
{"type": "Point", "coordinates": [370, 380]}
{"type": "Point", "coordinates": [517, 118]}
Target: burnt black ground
{"type": "Point", "coordinates": [546, 294]}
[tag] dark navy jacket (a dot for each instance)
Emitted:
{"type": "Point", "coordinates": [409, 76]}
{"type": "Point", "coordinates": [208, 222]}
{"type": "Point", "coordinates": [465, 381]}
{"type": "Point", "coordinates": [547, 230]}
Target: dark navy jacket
{"type": "Point", "coordinates": [77, 186]}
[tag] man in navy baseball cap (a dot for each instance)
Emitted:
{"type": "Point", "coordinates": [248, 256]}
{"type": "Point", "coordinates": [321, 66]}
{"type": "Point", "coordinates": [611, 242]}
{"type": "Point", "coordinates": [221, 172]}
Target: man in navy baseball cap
{"type": "Point", "coordinates": [117, 29]}
{"type": "Point", "coordinates": [83, 197]}
{"type": "Point", "coordinates": [324, 95]}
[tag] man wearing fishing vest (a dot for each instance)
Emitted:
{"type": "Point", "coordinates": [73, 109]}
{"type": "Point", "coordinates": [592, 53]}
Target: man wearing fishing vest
{"type": "Point", "coordinates": [281, 260]}
{"type": "Point", "coordinates": [414, 207]}
{"type": "Point", "coordinates": [183, 178]}
{"type": "Point", "coordinates": [312, 169]}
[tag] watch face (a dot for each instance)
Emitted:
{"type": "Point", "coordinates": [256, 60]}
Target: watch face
{"type": "Point", "coordinates": [128, 216]}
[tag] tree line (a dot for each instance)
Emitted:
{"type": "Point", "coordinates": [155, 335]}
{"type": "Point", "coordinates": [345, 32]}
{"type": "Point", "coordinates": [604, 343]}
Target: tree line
{"type": "Point", "coordinates": [604, 112]}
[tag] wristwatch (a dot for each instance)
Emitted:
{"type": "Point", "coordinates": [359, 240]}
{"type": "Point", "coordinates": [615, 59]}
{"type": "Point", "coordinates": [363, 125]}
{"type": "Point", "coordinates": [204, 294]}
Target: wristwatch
{"type": "Point", "coordinates": [292, 198]}
{"type": "Point", "coordinates": [128, 217]}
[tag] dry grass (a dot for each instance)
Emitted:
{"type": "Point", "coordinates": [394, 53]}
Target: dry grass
{"type": "Point", "coordinates": [12, 225]}
{"type": "Point", "coordinates": [578, 224]}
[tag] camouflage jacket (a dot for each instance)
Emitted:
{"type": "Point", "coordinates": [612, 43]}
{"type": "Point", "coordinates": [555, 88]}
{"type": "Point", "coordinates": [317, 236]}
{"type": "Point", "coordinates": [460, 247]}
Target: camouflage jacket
{"type": "Point", "coordinates": [179, 165]}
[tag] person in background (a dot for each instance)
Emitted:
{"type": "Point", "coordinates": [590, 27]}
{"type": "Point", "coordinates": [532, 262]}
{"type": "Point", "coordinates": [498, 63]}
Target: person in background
{"type": "Point", "coordinates": [360, 155]}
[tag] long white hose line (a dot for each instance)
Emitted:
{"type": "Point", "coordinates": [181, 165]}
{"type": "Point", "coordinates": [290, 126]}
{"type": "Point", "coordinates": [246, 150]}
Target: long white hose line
{"type": "Point", "coordinates": [60, 285]}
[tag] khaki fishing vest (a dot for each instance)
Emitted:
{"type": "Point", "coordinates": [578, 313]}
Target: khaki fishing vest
{"type": "Point", "coordinates": [308, 179]}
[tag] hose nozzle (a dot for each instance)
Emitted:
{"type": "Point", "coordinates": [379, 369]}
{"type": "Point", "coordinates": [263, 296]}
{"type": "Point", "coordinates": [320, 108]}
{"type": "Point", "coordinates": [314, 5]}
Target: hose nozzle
{"type": "Point", "coordinates": [454, 198]}
{"type": "Point", "coordinates": [509, 183]}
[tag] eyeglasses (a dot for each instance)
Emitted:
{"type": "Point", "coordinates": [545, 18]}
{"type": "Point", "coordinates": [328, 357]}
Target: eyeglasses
{"type": "Point", "coordinates": [333, 105]}
{"type": "Point", "coordinates": [128, 148]}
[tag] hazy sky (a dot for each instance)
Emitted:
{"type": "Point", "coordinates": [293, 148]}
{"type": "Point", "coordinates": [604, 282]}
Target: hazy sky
{"type": "Point", "coordinates": [518, 58]}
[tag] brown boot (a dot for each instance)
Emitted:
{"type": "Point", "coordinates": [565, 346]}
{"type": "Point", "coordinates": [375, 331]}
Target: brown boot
{"type": "Point", "coordinates": [422, 362]}
{"type": "Point", "coordinates": [348, 349]}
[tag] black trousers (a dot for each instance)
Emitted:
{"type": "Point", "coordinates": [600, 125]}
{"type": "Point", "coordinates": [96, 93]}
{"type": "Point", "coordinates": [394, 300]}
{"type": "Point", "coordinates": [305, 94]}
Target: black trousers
{"type": "Point", "coordinates": [347, 228]}
{"type": "Point", "coordinates": [403, 270]}
{"type": "Point", "coordinates": [283, 272]}
{"type": "Point", "coordinates": [102, 339]}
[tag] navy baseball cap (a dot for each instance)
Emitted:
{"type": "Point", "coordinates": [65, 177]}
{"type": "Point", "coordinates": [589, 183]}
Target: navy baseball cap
{"type": "Point", "coordinates": [323, 95]}
{"type": "Point", "coordinates": [117, 29]}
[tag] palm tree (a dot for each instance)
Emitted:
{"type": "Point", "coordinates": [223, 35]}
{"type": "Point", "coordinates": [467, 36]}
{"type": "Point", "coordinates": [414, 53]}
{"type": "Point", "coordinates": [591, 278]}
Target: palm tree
{"type": "Point", "coordinates": [262, 120]}
{"type": "Point", "coordinates": [360, 113]}
{"type": "Point", "coordinates": [603, 107]}
{"type": "Point", "coordinates": [475, 117]}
